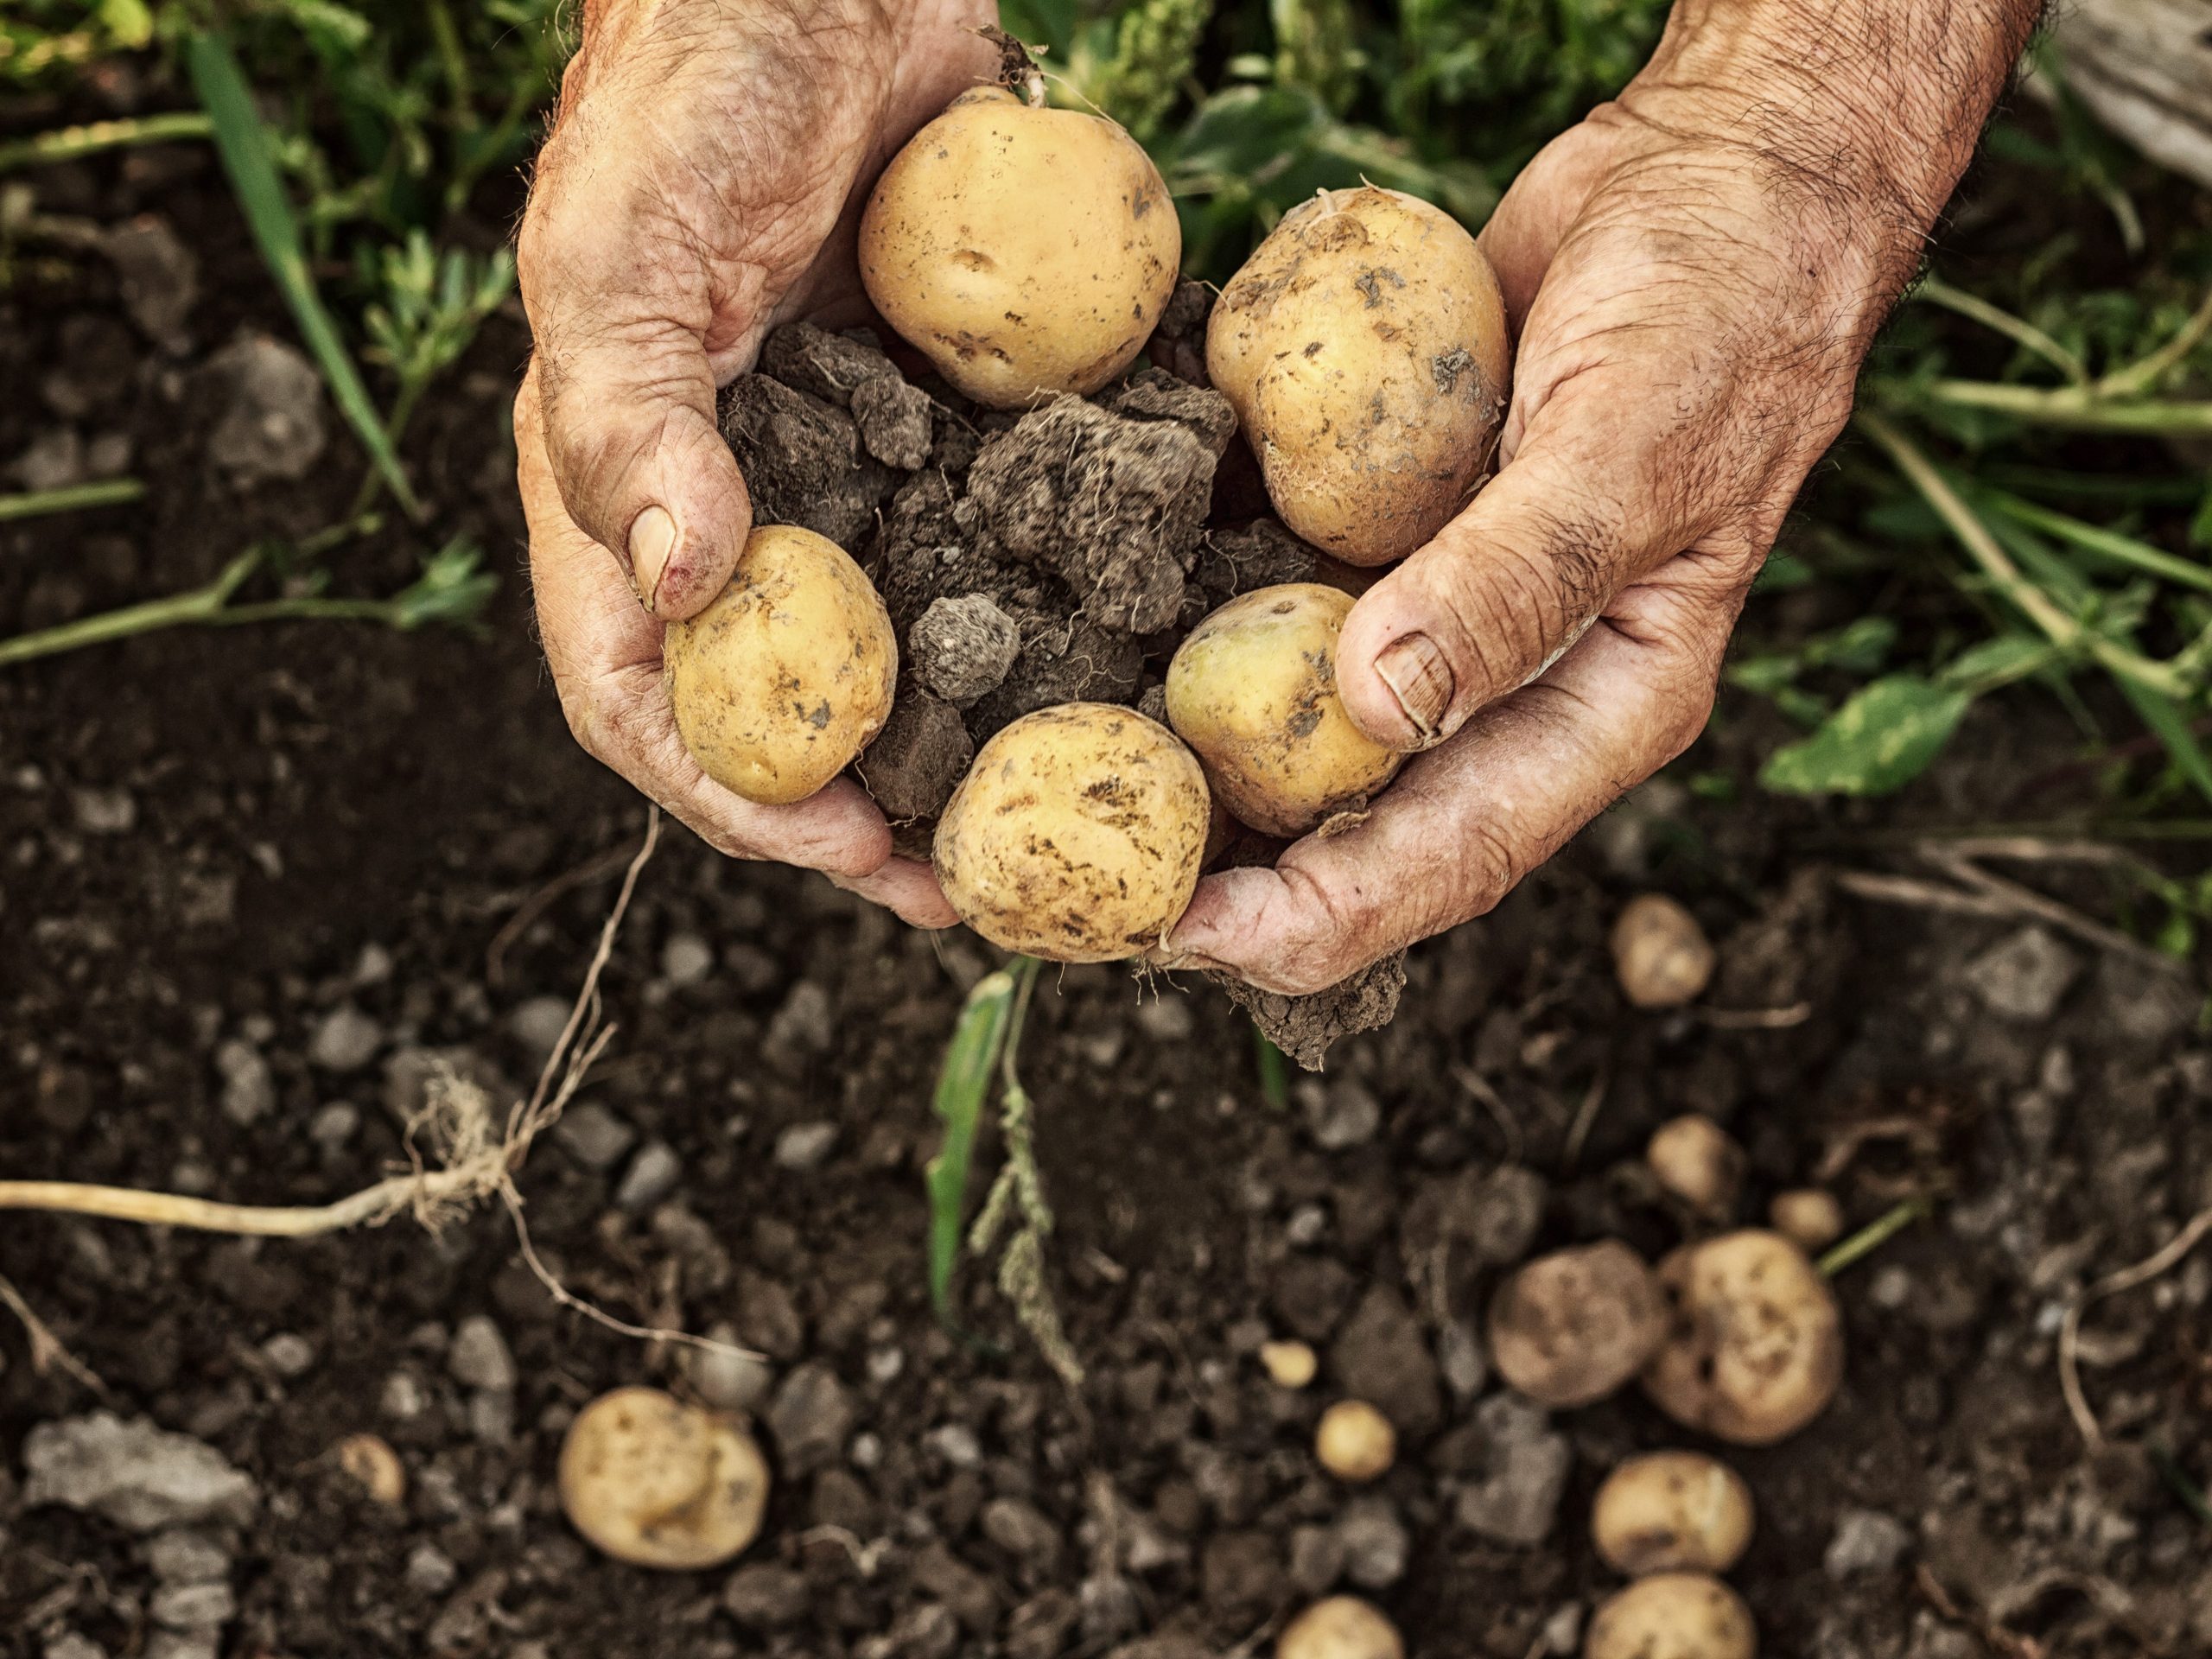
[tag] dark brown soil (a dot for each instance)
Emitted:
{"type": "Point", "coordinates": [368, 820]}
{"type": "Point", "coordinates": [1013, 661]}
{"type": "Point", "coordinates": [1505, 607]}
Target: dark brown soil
{"type": "Point", "coordinates": [253, 882]}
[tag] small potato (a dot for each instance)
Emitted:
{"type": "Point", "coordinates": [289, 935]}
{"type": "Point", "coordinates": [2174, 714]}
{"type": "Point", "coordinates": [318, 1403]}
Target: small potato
{"type": "Point", "coordinates": [1363, 348]}
{"type": "Point", "coordinates": [788, 674]}
{"type": "Point", "coordinates": [1025, 251]}
{"type": "Point", "coordinates": [1253, 690]}
{"type": "Point", "coordinates": [1342, 1627]}
{"type": "Point", "coordinates": [656, 1483]}
{"type": "Point", "coordinates": [1755, 1349]}
{"type": "Point", "coordinates": [1355, 1442]}
{"type": "Point", "coordinates": [1076, 835]}
{"type": "Point", "coordinates": [1673, 1616]}
{"type": "Point", "coordinates": [1661, 956]}
{"type": "Point", "coordinates": [1699, 1162]}
{"type": "Point", "coordinates": [1290, 1364]}
{"type": "Point", "coordinates": [1808, 1218]}
{"type": "Point", "coordinates": [1672, 1511]}
{"type": "Point", "coordinates": [1574, 1326]}
{"type": "Point", "coordinates": [369, 1462]}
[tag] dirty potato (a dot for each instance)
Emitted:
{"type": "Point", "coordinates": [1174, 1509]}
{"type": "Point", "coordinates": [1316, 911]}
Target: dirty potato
{"type": "Point", "coordinates": [1670, 1512]}
{"type": "Point", "coordinates": [788, 674]}
{"type": "Point", "coordinates": [1341, 1627]}
{"type": "Point", "coordinates": [1572, 1327]}
{"type": "Point", "coordinates": [1697, 1161]}
{"type": "Point", "coordinates": [1755, 1349]}
{"type": "Point", "coordinates": [1025, 251]}
{"type": "Point", "coordinates": [1077, 835]}
{"type": "Point", "coordinates": [656, 1483]}
{"type": "Point", "coordinates": [1673, 1616]}
{"type": "Point", "coordinates": [1661, 956]}
{"type": "Point", "coordinates": [1253, 690]}
{"type": "Point", "coordinates": [1363, 347]}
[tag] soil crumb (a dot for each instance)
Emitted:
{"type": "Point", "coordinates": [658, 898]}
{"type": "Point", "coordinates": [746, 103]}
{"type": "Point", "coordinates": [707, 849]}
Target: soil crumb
{"type": "Point", "coordinates": [1304, 1027]}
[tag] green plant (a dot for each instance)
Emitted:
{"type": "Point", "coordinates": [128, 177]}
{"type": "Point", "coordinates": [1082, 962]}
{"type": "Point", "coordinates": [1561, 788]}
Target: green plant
{"type": "Point", "coordinates": [987, 1040]}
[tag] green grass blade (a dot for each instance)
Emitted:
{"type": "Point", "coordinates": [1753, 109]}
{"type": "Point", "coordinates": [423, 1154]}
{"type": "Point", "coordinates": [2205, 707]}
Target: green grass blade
{"type": "Point", "coordinates": [1274, 1076]}
{"type": "Point", "coordinates": [960, 1086]}
{"type": "Point", "coordinates": [2111, 545]}
{"type": "Point", "coordinates": [68, 143]}
{"type": "Point", "coordinates": [108, 492]}
{"type": "Point", "coordinates": [2169, 721]}
{"type": "Point", "coordinates": [248, 158]}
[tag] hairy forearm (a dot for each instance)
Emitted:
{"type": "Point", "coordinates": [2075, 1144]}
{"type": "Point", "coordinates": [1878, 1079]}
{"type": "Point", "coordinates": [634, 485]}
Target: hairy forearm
{"type": "Point", "coordinates": [1884, 98]}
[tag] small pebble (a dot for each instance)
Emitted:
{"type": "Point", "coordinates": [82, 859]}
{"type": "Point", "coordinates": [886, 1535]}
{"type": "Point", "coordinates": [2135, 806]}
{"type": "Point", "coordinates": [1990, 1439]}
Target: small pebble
{"type": "Point", "coordinates": [345, 1039]}
{"type": "Point", "coordinates": [805, 1145]}
{"type": "Point", "coordinates": [593, 1136]}
{"type": "Point", "coordinates": [288, 1355]}
{"type": "Point", "coordinates": [430, 1571]}
{"type": "Point", "coordinates": [651, 1177]}
{"type": "Point", "coordinates": [479, 1357]}
{"type": "Point", "coordinates": [686, 959]}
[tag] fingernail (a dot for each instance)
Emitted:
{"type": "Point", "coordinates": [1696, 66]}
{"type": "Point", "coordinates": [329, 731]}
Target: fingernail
{"type": "Point", "coordinates": [1420, 679]}
{"type": "Point", "coordinates": [652, 538]}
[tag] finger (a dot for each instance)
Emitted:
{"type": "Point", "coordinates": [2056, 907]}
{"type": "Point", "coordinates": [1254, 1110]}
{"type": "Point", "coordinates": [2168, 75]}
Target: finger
{"type": "Point", "coordinates": [908, 887]}
{"type": "Point", "coordinates": [1510, 584]}
{"type": "Point", "coordinates": [1462, 825]}
{"type": "Point", "coordinates": [605, 653]}
{"type": "Point", "coordinates": [620, 311]}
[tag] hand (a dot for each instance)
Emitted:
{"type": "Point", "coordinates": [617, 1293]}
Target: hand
{"type": "Point", "coordinates": [702, 184]}
{"type": "Point", "coordinates": [1694, 275]}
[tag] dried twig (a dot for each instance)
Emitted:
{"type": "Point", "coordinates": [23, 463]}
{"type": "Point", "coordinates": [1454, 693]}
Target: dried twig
{"type": "Point", "coordinates": [593, 869]}
{"type": "Point", "coordinates": [1984, 894]}
{"type": "Point", "coordinates": [2069, 1332]}
{"type": "Point", "coordinates": [472, 1163]}
{"type": "Point", "coordinates": [48, 1352]}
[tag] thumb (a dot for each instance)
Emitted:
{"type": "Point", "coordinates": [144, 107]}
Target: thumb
{"type": "Point", "coordinates": [631, 434]}
{"type": "Point", "coordinates": [1500, 594]}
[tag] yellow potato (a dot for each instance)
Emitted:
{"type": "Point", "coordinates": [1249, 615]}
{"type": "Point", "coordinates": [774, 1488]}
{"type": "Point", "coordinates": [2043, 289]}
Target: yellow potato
{"type": "Point", "coordinates": [1698, 1162]}
{"type": "Point", "coordinates": [1253, 690]}
{"type": "Point", "coordinates": [1672, 1511]}
{"type": "Point", "coordinates": [656, 1483]}
{"type": "Point", "coordinates": [1355, 1442]}
{"type": "Point", "coordinates": [1077, 835]}
{"type": "Point", "coordinates": [1363, 347]}
{"type": "Point", "coordinates": [1673, 1616]}
{"type": "Point", "coordinates": [788, 674]}
{"type": "Point", "coordinates": [1661, 956]}
{"type": "Point", "coordinates": [1571, 1327]}
{"type": "Point", "coordinates": [1025, 251]}
{"type": "Point", "coordinates": [1756, 1349]}
{"type": "Point", "coordinates": [1341, 1627]}
{"type": "Point", "coordinates": [1808, 1218]}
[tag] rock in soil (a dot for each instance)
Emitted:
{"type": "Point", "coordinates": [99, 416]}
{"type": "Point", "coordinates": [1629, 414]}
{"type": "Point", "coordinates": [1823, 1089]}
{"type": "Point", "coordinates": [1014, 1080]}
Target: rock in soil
{"type": "Point", "coordinates": [1517, 1501]}
{"type": "Point", "coordinates": [142, 1478]}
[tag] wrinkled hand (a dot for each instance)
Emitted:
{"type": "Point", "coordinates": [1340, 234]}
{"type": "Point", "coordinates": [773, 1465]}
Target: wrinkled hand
{"type": "Point", "coordinates": [702, 184]}
{"type": "Point", "coordinates": [1693, 292]}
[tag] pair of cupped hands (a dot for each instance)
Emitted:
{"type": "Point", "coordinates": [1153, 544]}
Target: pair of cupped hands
{"type": "Point", "coordinates": [1693, 275]}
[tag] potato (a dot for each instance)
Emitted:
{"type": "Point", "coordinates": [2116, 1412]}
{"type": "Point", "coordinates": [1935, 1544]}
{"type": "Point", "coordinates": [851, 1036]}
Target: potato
{"type": "Point", "coordinates": [1076, 835]}
{"type": "Point", "coordinates": [1755, 1349]}
{"type": "Point", "coordinates": [1673, 1616]}
{"type": "Point", "coordinates": [1253, 690]}
{"type": "Point", "coordinates": [1672, 1511]}
{"type": "Point", "coordinates": [369, 1462]}
{"type": "Point", "coordinates": [1025, 251]}
{"type": "Point", "coordinates": [1342, 1627]}
{"type": "Point", "coordinates": [1698, 1162]}
{"type": "Point", "coordinates": [1661, 956]}
{"type": "Point", "coordinates": [1363, 348]}
{"type": "Point", "coordinates": [1808, 1218]}
{"type": "Point", "coordinates": [656, 1483]}
{"type": "Point", "coordinates": [1290, 1364]}
{"type": "Point", "coordinates": [788, 674]}
{"type": "Point", "coordinates": [1574, 1326]}
{"type": "Point", "coordinates": [1355, 1442]}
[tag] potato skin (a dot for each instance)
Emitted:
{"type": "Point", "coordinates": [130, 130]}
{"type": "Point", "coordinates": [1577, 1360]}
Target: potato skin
{"type": "Point", "coordinates": [1673, 1616]}
{"type": "Point", "coordinates": [1569, 1328]}
{"type": "Point", "coordinates": [1671, 1512]}
{"type": "Point", "coordinates": [658, 1483]}
{"type": "Point", "coordinates": [1341, 1627]}
{"type": "Point", "coordinates": [1026, 252]}
{"type": "Point", "coordinates": [1077, 835]}
{"type": "Point", "coordinates": [1253, 690]}
{"type": "Point", "coordinates": [1363, 347]}
{"type": "Point", "coordinates": [788, 675]}
{"type": "Point", "coordinates": [1756, 1349]}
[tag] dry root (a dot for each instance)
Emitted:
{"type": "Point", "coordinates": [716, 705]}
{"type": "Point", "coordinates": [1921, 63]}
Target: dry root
{"type": "Point", "coordinates": [461, 1156]}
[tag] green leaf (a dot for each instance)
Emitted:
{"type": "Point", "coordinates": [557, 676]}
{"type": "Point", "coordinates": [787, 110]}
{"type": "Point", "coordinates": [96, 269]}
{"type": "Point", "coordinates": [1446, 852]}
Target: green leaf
{"type": "Point", "coordinates": [960, 1086]}
{"type": "Point", "coordinates": [1997, 662]}
{"type": "Point", "coordinates": [1880, 741]}
{"type": "Point", "coordinates": [249, 157]}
